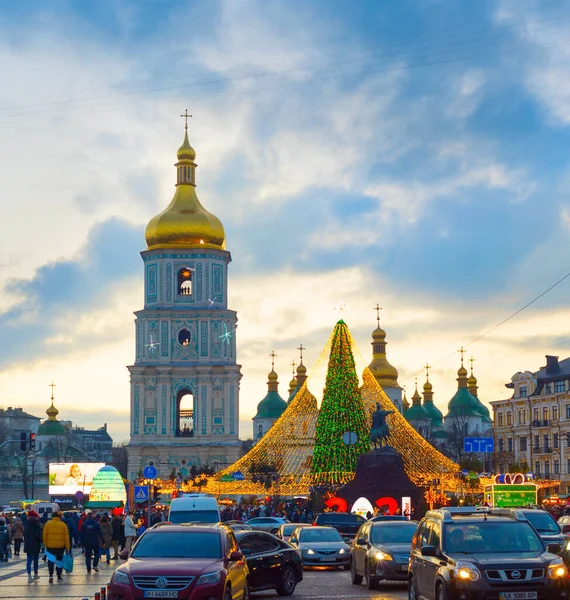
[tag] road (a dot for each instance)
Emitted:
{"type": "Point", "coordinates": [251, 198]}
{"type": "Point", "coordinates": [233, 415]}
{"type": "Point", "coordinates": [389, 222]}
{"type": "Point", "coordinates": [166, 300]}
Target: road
{"type": "Point", "coordinates": [316, 585]}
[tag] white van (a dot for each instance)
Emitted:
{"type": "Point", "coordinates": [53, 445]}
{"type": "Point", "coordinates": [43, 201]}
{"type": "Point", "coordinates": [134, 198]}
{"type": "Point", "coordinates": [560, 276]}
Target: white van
{"type": "Point", "coordinates": [194, 508]}
{"type": "Point", "coordinates": [44, 507]}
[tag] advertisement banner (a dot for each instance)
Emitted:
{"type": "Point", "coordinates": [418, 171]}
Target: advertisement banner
{"type": "Point", "coordinates": [67, 479]}
{"type": "Point", "coordinates": [406, 507]}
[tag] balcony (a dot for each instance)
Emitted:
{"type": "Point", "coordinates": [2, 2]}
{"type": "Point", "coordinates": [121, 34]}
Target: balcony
{"type": "Point", "coordinates": [543, 423]}
{"type": "Point", "coordinates": [542, 450]}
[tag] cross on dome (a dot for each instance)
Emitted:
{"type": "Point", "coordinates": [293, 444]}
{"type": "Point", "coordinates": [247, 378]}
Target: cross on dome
{"type": "Point", "coordinates": [377, 308]}
{"type": "Point", "coordinates": [186, 116]}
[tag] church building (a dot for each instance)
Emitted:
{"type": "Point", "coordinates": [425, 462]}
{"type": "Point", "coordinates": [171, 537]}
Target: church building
{"type": "Point", "coordinates": [185, 379]}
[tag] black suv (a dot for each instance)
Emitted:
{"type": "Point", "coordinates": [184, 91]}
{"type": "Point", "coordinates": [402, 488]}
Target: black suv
{"type": "Point", "coordinates": [345, 523]}
{"type": "Point", "coordinates": [483, 557]}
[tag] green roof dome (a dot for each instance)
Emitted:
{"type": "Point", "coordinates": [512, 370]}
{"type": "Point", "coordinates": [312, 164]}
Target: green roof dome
{"type": "Point", "coordinates": [51, 428]}
{"type": "Point", "coordinates": [439, 434]}
{"type": "Point", "coordinates": [463, 403]}
{"type": "Point", "coordinates": [272, 406]}
{"type": "Point", "coordinates": [416, 412]}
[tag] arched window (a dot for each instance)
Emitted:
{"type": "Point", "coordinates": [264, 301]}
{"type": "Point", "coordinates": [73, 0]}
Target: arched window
{"type": "Point", "coordinates": [260, 431]}
{"type": "Point", "coordinates": [184, 337]}
{"type": "Point", "coordinates": [185, 414]}
{"type": "Point", "coordinates": [185, 282]}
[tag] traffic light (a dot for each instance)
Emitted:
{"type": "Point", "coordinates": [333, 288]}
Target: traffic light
{"type": "Point", "coordinates": [32, 442]}
{"type": "Point", "coordinates": [23, 441]}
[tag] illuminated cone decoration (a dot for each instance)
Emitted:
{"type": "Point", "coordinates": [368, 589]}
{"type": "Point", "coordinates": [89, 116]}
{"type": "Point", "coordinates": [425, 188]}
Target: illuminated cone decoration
{"type": "Point", "coordinates": [342, 433]}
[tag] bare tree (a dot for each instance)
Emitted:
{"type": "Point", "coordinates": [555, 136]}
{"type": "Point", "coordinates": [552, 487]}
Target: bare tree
{"type": "Point", "coordinates": [120, 458]}
{"type": "Point", "coordinates": [456, 434]}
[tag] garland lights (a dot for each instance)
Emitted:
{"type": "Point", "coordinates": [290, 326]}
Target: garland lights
{"type": "Point", "coordinates": [282, 461]}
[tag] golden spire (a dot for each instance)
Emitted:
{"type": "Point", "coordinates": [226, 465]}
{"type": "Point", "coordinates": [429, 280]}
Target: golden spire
{"type": "Point", "coordinates": [472, 381]}
{"type": "Point", "coordinates": [301, 369]}
{"type": "Point", "coordinates": [185, 222]}
{"type": "Point", "coordinates": [416, 398]}
{"type": "Point", "coordinates": [293, 382]}
{"type": "Point", "coordinates": [428, 393]}
{"type": "Point", "coordinates": [405, 403]}
{"type": "Point", "coordinates": [462, 372]}
{"type": "Point", "coordinates": [52, 411]}
{"type": "Point", "coordinates": [386, 375]}
{"type": "Point", "coordinates": [272, 383]}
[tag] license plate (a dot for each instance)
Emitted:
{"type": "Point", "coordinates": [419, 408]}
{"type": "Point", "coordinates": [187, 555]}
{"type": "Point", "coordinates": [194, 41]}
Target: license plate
{"type": "Point", "coordinates": [518, 595]}
{"type": "Point", "coordinates": [160, 594]}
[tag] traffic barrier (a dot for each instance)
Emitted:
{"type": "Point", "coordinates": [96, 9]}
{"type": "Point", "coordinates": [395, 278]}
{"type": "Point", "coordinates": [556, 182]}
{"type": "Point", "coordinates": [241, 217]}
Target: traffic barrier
{"type": "Point", "coordinates": [104, 593]}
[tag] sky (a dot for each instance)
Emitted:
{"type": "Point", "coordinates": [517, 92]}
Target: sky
{"type": "Point", "coordinates": [411, 154]}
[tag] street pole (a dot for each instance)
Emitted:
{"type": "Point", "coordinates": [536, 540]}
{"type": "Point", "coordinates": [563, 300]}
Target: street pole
{"type": "Point", "coordinates": [148, 508]}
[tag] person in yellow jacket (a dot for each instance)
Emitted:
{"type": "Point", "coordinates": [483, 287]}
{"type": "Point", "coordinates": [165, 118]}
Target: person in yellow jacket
{"type": "Point", "coordinates": [56, 540]}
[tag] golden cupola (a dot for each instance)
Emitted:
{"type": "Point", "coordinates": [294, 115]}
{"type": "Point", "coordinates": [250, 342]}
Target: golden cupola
{"type": "Point", "coordinates": [185, 223]}
{"type": "Point", "coordinates": [386, 375]}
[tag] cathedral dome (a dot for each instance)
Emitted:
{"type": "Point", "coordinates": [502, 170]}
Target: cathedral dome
{"type": "Point", "coordinates": [272, 406]}
{"type": "Point", "coordinates": [51, 426]}
{"type": "Point", "coordinates": [385, 374]}
{"type": "Point", "coordinates": [416, 412]}
{"type": "Point", "coordinates": [463, 403]}
{"type": "Point", "coordinates": [185, 222]}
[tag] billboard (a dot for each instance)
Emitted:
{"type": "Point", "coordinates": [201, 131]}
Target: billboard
{"type": "Point", "coordinates": [69, 478]}
{"type": "Point", "coordinates": [511, 496]}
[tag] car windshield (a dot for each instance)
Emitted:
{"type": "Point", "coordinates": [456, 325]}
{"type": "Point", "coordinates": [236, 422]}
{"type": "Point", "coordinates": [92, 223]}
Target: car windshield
{"type": "Point", "coordinates": [309, 534]}
{"type": "Point", "coordinates": [289, 529]}
{"type": "Point", "coordinates": [194, 516]}
{"type": "Point", "coordinates": [542, 521]}
{"type": "Point", "coordinates": [341, 518]}
{"type": "Point", "coordinates": [178, 544]}
{"type": "Point", "coordinates": [491, 537]}
{"type": "Point", "coordinates": [392, 534]}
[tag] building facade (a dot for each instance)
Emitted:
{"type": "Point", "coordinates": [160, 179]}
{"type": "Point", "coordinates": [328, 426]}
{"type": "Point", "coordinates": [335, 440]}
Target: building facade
{"type": "Point", "coordinates": [532, 427]}
{"type": "Point", "coordinates": [185, 379]}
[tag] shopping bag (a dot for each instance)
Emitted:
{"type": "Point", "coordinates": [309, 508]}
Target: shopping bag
{"type": "Point", "coordinates": [9, 551]}
{"type": "Point", "coordinates": [68, 563]}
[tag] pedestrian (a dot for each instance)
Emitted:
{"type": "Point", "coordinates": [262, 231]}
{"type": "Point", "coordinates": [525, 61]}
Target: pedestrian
{"type": "Point", "coordinates": [116, 535]}
{"type": "Point", "coordinates": [130, 531]}
{"type": "Point", "coordinates": [91, 538]}
{"type": "Point", "coordinates": [4, 540]}
{"type": "Point", "coordinates": [17, 530]}
{"type": "Point", "coordinates": [56, 541]}
{"type": "Point", "coordinates": [32, 544]}
{"type": "Point", "coordinates": [107, 531]}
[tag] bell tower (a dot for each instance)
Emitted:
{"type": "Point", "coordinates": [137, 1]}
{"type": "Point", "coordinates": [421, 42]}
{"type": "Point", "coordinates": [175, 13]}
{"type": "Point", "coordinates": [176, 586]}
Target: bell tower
{"type": "Point", "coordinates": [185, 379]}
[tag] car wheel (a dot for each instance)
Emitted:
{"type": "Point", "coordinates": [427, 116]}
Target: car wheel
{"type": "Point", "coordinates": [372, 582]}
{"type": "Point", "coordinates": [288, 582]}
{"type": "Point", "coordinates": [412, 590]}
{"type": "Point", "coordinates": [356, 579]}
{"type": "Point", "coordinates": [441, 594]}
{"type": "Point", "coordinates": [228, 594]}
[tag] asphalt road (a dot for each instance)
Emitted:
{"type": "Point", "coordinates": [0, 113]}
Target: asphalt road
{"type": "Point", "coordinates": [330, 584]}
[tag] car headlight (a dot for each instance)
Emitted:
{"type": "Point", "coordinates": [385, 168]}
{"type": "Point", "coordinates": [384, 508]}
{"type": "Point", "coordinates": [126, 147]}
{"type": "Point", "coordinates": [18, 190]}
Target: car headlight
{"type": "Point", "coordinates": [120, 577]}
{"type": "Point", "coordinates": [383, 555]}
{"type": "Point", "coordinates": [343, 551]}
{"type": "Point", "coordinates": [567, 545]}
{"type": "Point", "coordinates": [466, 571]}
{"type": "Point", "coordinates": [309, 551]}
{"type": "Point", "coordinates": [210, 578]}
{"type": "Point", "coordinates": [557, 570]}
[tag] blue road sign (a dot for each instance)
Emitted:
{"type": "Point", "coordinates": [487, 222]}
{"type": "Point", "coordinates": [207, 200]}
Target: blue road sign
{"type": "Point", "coordinates": [238, 476]}
{"type": "Point", "coordinates": [79, 494]}
{"type": "Point", "coordinates": [141, 493]}
{"type": "Point", "coordinates": [150, 472]}
{"type": "Point", "coordinates": [478, 444]}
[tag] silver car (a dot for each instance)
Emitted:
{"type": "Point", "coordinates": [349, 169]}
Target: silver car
{"type": "Point", "coordinates": [321, 546]}
{"type": "Point", "coordinates": [284, 532]}
{"type": "Point", "coordinates": [269, 524]}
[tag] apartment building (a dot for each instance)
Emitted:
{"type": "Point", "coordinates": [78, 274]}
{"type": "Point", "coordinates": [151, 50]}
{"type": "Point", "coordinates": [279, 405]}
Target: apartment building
{"type": "Point", "coordinates": [532, 428]}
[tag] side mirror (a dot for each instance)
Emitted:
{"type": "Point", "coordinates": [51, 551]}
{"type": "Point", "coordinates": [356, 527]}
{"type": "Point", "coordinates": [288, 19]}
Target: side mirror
{"type": "Point", "coordinates": [429, 551]}
{"type": "Point", "coordinates": [554, 548]}
{"type": "Point", "coordinates": [235, 556]}
{"type": "Point", "coordinates": [246, 551]}
{"type": "Point", "coordinates": [361, 541]}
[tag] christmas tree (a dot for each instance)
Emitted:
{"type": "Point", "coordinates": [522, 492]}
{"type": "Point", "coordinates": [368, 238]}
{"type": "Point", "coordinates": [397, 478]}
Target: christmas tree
{"type": "Point", "coordinates": [342, 433]}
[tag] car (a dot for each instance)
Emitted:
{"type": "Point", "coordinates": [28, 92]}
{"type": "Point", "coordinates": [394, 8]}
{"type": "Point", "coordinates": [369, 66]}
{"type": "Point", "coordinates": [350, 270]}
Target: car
{"type": "Point", "coordinates": [194, 508]}
{"type": "Point", "coordinates": [235, 527]}
{"type": "Point", "coordinates": [346, 524]}
{"type": "Point", "coordinates": [564, 523]}
{"type": "Point", "coordinates": [269, 524]}
{"type": "Point", "coordinates": [273, 564]}
{"type": "Point", "coordinates": [321, 546]}
{"type": "Point", "coordinates": [284, 532]}
{"type": "Point", "coordinates": [381, 551]}
{"type": "Point", "coordinates": [483, 555]}
{"type": "Point", "coordinates": [185, 562]}
{"type": "Point", "coordinates": [544, 523]}
{"type": "Point", "coordinates": [388, 518]}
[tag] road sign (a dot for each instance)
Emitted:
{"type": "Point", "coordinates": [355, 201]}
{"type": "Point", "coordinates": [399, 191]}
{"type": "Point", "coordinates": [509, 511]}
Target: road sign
{"type": "Point", "coordinates": [238, 476]}
{"type": "Point", "coordinates": [150, 472]}
{"type": "Point", "coordinates": [79, 494]}
{"type": "Point", "coordinates": [141, 493]}
{"type": "Point", "coordinates": [479, 444]}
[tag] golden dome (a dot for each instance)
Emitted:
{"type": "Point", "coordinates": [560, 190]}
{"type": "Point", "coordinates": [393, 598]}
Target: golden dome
{"type": "Point", "coordinates": [462, 371]}
{"type": "Point", "coordinates": [185, 222]}
{"type": "Point", "coordinates": [428, 387]}
{"type": "Point", "coordinates": [272, 376]}
{"type": "Point", "coordinates": [385, 374]}
{"type": "Point", "coordinates": [378, 335]}
{"type": "Point", "coordinates": [52, 412]}
{"type": "Point", "coordinates": [186, 152]}
{"type": "Point", "coordinates": [472, 381]}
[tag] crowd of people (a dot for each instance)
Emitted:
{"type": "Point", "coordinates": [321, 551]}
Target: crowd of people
{"type": "Point", "coordinates": [53, 536]}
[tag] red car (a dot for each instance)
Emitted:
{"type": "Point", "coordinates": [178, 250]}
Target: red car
{"type": "Point", "coordinates": [201, 562]}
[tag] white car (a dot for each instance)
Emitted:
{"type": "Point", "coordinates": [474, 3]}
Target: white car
{"type": "Point", "coordinates": [269, 524]}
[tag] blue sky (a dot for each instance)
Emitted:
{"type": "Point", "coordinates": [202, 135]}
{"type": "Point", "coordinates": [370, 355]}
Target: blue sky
{"type": "Point", "coordinates": [412, 154]}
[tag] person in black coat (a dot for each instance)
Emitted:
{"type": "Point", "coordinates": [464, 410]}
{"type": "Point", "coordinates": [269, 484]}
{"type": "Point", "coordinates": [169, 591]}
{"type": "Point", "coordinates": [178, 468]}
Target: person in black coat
{"type": "Point", "coordinates": [32, 544]}
{"type": "Point", "coordinates": [116, 538]}
{"type": "Point", "coordinates": [91, 537]}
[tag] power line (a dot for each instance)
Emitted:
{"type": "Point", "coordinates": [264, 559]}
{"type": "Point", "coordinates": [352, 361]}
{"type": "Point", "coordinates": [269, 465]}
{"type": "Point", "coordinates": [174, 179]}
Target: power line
{"type": "Point", "coordinates": [517, 312]}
